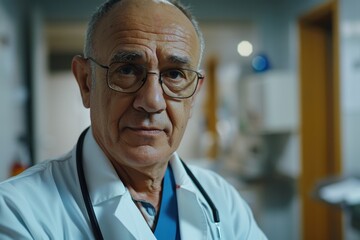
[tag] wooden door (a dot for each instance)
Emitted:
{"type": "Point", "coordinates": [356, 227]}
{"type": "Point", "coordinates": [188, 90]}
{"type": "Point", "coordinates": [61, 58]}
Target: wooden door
{"type": "Point", "coordinates": [320, 124]}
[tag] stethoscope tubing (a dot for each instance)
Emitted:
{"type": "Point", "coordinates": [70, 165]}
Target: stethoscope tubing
{"type": "Point", "coordinates": [84, 189]}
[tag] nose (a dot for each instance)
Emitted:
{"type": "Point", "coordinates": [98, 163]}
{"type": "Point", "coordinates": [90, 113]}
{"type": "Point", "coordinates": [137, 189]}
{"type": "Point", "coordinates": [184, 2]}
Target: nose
{"type": "Point", "coordinates": [150, 98]}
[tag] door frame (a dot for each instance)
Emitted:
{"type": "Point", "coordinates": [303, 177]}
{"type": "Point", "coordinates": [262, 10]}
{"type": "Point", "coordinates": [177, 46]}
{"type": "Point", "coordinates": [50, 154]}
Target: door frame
{"type": "Point", "coordinates": [320, 118]}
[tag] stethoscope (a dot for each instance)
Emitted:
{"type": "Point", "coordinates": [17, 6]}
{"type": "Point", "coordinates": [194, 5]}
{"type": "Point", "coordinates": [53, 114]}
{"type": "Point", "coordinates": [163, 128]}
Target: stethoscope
{"type": "Point", "coordinates": [88, 204]}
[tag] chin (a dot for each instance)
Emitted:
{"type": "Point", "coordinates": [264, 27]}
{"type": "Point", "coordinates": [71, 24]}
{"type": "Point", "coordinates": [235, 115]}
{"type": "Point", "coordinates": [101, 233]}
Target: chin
{"type": "Point", "coordinates": [146, 156]}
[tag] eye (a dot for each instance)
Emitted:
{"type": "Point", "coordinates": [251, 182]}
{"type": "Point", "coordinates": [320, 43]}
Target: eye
{"type": "Point", "coordinates": [174, 74]}
{"type": "Point", "coordinates": [128, 69]}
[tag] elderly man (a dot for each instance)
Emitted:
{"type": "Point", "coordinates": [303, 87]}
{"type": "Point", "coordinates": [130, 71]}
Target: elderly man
{"type": "Point", "coordinates": [123, 180]}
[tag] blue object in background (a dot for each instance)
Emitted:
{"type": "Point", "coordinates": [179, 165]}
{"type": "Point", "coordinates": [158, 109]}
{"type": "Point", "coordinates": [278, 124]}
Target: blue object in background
{"type": "Point", "coordinates": [260, 63]}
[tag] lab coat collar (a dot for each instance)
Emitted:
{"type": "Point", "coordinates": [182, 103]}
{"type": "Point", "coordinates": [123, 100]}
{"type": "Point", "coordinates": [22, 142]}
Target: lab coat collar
{"type": "Point", "coordinates": [191, 205]}
{"type": "Point", "coordinates": [106, 187]}
{"type": "Point", "coordinates": [182, 179]}
{"type": "Point", "coordinates": [101, 177]}
{"type": "Point", "coordinates": [129, 215]}
{"type": "Point", "coordinates": [104, 184]}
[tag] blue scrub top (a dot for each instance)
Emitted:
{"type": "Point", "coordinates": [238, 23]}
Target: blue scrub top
{"type": "Point", "coordinates": [167, 226]}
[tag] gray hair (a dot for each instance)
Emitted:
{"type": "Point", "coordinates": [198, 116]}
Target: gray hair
{"type": "Point", "coordinates": [108, 5]}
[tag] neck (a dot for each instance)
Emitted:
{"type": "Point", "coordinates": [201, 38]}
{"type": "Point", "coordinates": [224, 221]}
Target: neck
{"type": "Point", "coordinates": [143, 184]}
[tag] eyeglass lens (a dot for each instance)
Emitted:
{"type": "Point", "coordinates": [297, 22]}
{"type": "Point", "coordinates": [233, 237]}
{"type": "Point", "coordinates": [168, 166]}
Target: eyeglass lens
{"type": "Point", "coordinates": [129, 78]}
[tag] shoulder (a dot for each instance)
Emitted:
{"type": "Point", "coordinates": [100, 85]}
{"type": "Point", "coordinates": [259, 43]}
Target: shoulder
{"type": "Point", "coordinates": [37, 185]}
{"type": "Point", "coordinates": [233, 209]}
{"type": "Point", "coordinates": [212, 180]}
{"type": "Point", "coordinates": [39, 182]}
{"type": "Point", "coordinates": [222, 193]}
{"type": "Point", "coordinates": [38, 175]}
{"type": "Point", "coordinates": [25, 198]}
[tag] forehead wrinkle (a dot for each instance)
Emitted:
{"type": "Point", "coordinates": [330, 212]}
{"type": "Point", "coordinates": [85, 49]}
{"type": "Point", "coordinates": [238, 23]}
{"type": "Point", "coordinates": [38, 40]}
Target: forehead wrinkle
{"type": "Point", "coordinates": [171, 35]}
{"type": "Point", "coordinates": [139, 31]}
{"type": "Point", "coordinates": [133, 55]}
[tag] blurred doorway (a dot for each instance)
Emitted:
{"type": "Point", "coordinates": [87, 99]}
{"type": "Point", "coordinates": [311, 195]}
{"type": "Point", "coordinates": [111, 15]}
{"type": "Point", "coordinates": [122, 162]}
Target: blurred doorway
{"type": "Point", "coordinates": [60, 115]}
{"type": "Point", "coordinates": [320, 121]}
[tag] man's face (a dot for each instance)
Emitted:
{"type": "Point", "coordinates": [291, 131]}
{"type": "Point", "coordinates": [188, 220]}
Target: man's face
{"type": "Point", "coordinates": [144, 128]}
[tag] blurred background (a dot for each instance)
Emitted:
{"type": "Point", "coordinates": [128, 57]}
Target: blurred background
{"type": "Point", "coordinates": [278, 116]}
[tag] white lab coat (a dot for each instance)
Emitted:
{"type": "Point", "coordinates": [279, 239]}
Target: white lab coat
{"type": "Point", "coordinates": [45, 202]}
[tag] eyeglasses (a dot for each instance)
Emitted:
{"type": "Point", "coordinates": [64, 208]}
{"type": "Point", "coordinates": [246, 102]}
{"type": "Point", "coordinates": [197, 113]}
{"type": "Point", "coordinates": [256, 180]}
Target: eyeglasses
{"type": "Point", "coordinates": [129, 78]}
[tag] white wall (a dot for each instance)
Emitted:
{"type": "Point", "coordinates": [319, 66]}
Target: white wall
{"type": "Point", "coordinates": [13, 94]}
{"type": "Point", "coordinates": [65, 116]}
{"type": "Point", "coordinates": [60, 116]}
{"type": "Point", "coordinates": [350, 83]}
{"type": "Point", "coordinates": [350, 91]}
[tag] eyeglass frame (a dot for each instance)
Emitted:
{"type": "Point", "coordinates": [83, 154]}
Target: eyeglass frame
{"type": "Point", "coordinates": [199, 76]}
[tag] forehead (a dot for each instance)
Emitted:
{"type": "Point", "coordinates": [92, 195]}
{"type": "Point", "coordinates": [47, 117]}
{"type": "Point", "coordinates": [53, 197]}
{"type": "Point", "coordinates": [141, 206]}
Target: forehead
{"type": "Point", "coordinates": [149, 26]}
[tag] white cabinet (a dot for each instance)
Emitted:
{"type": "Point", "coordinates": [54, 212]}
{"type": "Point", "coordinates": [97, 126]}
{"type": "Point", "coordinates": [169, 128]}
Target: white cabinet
{"type": "Point", "coordinates": [271, 101]}
{"type": "Point", "coordinates": [272, 118]}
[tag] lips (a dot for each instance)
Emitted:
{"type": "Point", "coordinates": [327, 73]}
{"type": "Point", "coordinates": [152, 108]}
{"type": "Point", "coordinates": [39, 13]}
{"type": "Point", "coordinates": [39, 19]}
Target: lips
{"type": "Point", "coordinates": [145, 128]}
{"type": "Point", "coordinates": [146, 131]}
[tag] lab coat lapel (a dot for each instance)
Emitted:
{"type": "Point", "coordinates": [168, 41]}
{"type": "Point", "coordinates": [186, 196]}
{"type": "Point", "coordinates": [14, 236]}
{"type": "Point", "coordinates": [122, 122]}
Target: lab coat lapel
{"type": "Point", "coordinates": [192, 219]}
{"type": "Point", "coordinates": [193, 223]}
{"type": "Point", "coordinates": [110, 197]}
{"type": "Point", "coordinates": [130, 217]}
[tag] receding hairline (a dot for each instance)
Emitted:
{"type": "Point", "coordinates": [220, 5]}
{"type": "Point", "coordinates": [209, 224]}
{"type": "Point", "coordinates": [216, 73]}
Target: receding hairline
{"type": "Point", "coordinates": [105, 9]}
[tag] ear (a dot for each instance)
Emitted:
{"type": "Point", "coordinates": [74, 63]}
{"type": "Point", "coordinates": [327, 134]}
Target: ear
{"type": "Point", "coordinates": [82, 75]}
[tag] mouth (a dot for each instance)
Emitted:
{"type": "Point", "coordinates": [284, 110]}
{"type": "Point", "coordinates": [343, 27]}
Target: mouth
{"type": "Point", "coordinates": [146, 131]}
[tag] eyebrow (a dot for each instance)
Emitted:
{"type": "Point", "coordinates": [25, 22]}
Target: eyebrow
{"type": "Point", "coordinates": [126, 56]}
{"type": "Point", "coordinates": [132, 56]}
{"type": "Point", "coordinates": [179, 60]}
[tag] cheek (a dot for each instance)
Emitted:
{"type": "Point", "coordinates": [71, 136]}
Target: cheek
{"type": "Point", "coordinates": [100, 101]}
{"type": "Point", "coordinates": [179, 114]}
{"type": "Point", "coordinates": [106, 108]}
{"type": "Point", "coordinates": [117, 107]}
